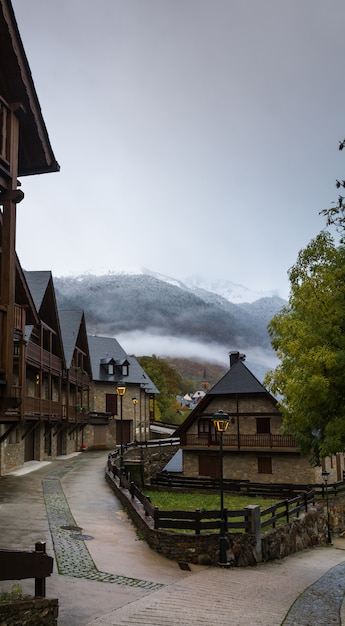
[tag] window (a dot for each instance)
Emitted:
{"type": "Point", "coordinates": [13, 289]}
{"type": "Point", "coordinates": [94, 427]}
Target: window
{"type": "Point", "coordinates": [203, 425]}
{"type": "Point", "coordinates": [111, 403]}
{"type": "Point", "coordinates": [110, 369]}
{"type": "Point", "coordinates": [125, 370]}
{"type": "Point", "coordinates": [264, 465]}
{"type": "Point", "coordinates": [263, 425]}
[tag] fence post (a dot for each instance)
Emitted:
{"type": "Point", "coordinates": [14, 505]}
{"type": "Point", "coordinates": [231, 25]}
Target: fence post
{"type": "Point", "coordinates": [156, 517]}
{"type": "Point", "coordinates": [252, 514]}
{"type": "Point", "coordinates": [40, 583]}
{"type": "Point", "coordinates": [197, 521]}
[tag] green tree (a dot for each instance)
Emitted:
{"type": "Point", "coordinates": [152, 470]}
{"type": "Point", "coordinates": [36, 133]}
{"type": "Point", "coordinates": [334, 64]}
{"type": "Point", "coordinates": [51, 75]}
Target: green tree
{"type": "Point", "coordinates": [308, 336]}
{"type": "Point", "coordinates": [169, 383]}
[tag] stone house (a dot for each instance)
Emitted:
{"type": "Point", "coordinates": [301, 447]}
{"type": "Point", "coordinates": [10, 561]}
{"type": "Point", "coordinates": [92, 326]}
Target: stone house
{"type": "Point", "coordinates": [253, 446]}
{"type": "Point", "coordinates": [114, 417]}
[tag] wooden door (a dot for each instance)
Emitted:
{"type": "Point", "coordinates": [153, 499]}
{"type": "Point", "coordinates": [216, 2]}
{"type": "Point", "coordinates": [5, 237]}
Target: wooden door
{"type": "Point", "coordinates": [209, 465]}
{"type": "Point", "coordinates": [99, 436]}
{"type": "Point", "coordinates": [29, 446]}
{"type": "Point", "coordinates": [126, 432]}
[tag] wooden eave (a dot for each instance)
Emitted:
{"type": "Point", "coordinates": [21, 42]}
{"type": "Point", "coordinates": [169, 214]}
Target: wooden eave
{"type": "Point", "coordinates": [23, 296]}
{"type": "Point", "coordinates": [17, 88]}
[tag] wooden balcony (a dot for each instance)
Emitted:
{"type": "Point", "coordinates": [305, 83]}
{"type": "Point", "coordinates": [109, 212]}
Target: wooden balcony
{"type": "Point", "coordinates": [39, 407]}
{"type": "Point", "coordinates": [240, 442]}
{"type": "Point", "coordinates": [42, 358]}
{"type": "Point", "coordinates": [19, 318]}
{"type": "Point", "coordinates": [78, 377]}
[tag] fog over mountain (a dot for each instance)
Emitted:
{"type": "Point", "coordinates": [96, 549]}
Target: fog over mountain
{"type": "Point", "coordinates": [153, 314]}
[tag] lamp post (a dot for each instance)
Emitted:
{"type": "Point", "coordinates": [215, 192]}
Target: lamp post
{"type": "Point", "coordinates": [221, 423]}
{"type": "Point", "coordinates": [135, 402]}
{"type": "Point", "coordinates": [121, 390]}
{"type": "Point", "coordinates": [325, 476]}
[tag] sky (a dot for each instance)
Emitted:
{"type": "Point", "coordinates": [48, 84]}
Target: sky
{"type": "Point", "coordinates": [195, 137]}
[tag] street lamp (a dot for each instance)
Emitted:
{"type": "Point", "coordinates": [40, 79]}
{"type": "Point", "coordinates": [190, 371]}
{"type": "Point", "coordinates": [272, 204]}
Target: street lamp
{"type": "Point", "coordinates": [221, 423]}
{"type": "Point", "coordinates": [325, 476]}
{"type": "Point", "coordinates": [121, 390]}
{"type": "Point", "coordinates": [135, 402]}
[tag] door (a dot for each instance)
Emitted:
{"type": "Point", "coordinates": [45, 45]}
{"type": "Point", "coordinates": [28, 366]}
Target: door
{"type": "Point", "coordinates": [99, 436]}
{"type": "Point", "coordinates": [29, 445]}
{"type": "Point", "coordinates": [209, 466]}
{"type": "Point", "coordinates": [126, 432]}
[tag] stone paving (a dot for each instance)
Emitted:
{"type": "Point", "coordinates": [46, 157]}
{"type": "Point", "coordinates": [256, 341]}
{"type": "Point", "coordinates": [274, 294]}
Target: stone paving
{"type": "Point", "coordinates": [321, 603]}
{"type": "Point", "coordinates": [71, 554]}
{"type": "Point", "coordinates": [109, 577]}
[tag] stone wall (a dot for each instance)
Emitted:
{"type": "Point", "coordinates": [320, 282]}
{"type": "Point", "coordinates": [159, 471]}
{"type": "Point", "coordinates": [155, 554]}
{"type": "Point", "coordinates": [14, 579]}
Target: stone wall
{"type": "Point", "coordinates": [308, 530]}
{"type": "Point", "coordinates": [32, 612]}
{"type": "Point", "coordinates": [154, 459]}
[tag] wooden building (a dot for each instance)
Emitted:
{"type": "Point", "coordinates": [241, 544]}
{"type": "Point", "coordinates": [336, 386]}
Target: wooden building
{"type": "Point", "coordinates": [254, 447]}
{"type": "Point", "coordinates": [25, 150]}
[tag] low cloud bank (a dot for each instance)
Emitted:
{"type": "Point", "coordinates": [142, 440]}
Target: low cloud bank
{"type": "Point", "coordinates": [141, 343]}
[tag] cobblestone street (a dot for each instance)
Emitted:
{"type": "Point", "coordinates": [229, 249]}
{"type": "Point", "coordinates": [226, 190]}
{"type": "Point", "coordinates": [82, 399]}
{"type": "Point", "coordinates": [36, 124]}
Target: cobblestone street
{"type": "Point", "coordinates": [104, 575]}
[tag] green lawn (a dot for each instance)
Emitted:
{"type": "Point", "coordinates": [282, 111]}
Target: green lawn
{"type": "Point", "coordinates": [174, 500]}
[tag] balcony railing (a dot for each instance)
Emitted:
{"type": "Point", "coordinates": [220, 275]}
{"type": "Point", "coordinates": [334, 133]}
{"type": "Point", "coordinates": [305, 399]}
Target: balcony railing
{"type": "Point", "coordinates": [41, 357]}
{"type": "Point", "coordinates": [19, 318]}
{"type": "Point", "coordinates": [235, 441]}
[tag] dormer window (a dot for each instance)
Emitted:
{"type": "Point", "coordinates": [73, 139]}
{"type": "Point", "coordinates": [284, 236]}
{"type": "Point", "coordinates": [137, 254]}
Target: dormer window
{"type": "Point", "coordinates": [122, 367]}
{"type": "Point", "coordinates": [108, 366]}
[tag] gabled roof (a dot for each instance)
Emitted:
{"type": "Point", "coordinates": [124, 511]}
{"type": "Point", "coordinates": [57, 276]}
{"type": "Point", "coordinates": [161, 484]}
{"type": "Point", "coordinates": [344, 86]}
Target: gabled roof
{"type": "Point", "coordinates": [38, 284]}
{"type": "Point", "coordinates": [70, 324]}
{"type": "Point", "coordinates": [23, 295]}
{"type": "Point", "coordinates": [42, 291]}
{"type": "Point", "coordinates": [17, 87]}
{"type": "Point", "coordinates": [238, 379]}
{"type": "Point", "coordinates": [105, 350]}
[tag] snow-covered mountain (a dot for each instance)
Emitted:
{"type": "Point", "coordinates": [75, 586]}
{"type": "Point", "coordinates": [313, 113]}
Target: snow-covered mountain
{"type": "Point", "coordinates": [155, 314]}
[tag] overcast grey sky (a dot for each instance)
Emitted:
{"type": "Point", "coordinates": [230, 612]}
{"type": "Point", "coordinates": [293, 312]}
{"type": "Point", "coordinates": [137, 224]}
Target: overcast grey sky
{"type": "Point", "coordinates": [194, 136]}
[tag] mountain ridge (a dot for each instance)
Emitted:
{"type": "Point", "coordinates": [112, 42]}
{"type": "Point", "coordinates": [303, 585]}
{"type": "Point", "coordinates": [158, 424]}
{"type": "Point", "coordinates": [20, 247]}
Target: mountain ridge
{"type": "Point", "coordinates": [137, 305]}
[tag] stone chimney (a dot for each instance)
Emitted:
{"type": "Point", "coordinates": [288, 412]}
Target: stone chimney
{"type": "Point", "coordinates": [236, 356]}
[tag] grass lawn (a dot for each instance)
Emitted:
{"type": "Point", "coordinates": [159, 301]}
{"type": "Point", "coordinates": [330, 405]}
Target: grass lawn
{"type": "Point", "coordinates": [173, 500]}
{"type": "Point", "coordinates": [176, 501]}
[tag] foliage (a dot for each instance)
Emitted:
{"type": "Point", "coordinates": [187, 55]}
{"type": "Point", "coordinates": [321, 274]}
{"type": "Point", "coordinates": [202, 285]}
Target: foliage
{"type": "Point", "coordinates": [169, 383]}
{"type": "Point", "coordinates": [335, 215]}
{"type": "Point", "coordinates": [11, 596]}
{"type": "Point", "coordinates": [308, 336]}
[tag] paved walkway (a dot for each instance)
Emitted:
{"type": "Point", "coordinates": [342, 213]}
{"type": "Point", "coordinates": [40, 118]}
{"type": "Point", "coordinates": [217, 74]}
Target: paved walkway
{"type": "Point", "coordinates": [105, 575]}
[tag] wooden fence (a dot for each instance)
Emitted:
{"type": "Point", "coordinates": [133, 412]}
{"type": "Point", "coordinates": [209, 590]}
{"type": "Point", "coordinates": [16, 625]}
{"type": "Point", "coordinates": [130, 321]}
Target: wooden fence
{"type": "Point", "coordinates": [198, 521]}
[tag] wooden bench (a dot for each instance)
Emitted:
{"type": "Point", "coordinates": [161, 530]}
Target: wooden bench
{"type": "Point", "coordinates": [16, 565]}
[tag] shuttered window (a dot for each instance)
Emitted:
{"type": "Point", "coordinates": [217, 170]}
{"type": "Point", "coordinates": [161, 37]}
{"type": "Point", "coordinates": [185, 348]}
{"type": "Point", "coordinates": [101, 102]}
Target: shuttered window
{"type": "Point", "coordinates": [264, 465]}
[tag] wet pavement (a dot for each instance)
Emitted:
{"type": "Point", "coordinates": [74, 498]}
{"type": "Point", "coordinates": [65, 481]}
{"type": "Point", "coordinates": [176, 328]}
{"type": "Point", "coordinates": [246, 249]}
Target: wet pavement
{"type": "Point", "coordinates": [105, 575]}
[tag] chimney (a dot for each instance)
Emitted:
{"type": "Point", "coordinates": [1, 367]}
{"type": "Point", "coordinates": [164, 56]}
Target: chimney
{"type": "Point", "coordinates": [236, 356]}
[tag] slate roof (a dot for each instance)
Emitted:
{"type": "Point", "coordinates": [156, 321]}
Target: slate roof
{"type": "Point", "coordinates": [38, 283]}
{"type": "Point", "coordinates": [70, 322]}
{"type": "Point", "coordinates": [238, 379]}
{"type": "Point", "coordinates": [104, 349]}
